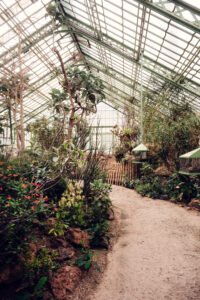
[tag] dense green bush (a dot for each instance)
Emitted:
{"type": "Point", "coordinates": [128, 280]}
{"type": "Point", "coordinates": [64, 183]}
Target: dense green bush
{"type": "Point", "coordinates": [25, 212]}
{"type": "Point", "coordinates": [40, 264]}
{"type": "Point", "coordinates": [99, 208]}
{"type": "Point", "coordinates": [21, 202]}
{"type": "Point", "coordinates": [55, 190]}
{"type": "Point", "coordinates": [93, 169]}
{"type": "Point", "coordinates": [175, 187]}
{"type": "Point", "coordinates": [149, 186]}
{"type": "Point", "coordinates": [72, 206]}
{"type": "Point", "coordinates": [88, 213]}
{"type": "Point", "coordinates": [37, 190]}
{"type": "Point", "coordinates": [169, 134]}
{"type": "Point", "coordinates": [182, 188]}
{"type": "Point", "coordinates": [127, 138]}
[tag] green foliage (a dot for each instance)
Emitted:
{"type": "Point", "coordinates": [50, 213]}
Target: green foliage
{"type": "Point", "coordinates": [99, 201]}
{"type": "Point", "coordinates": [40, 264]}
{"type": "Point", "coordinates": [79, 97]}
{"type": "Point", "coordinates": [93, 169]}
{"type": "Point", "coordinates": [146, 169]}
{"type": "Point", "coordinates": [99, 207]}
{"type": "Point", "coordinates": [149, 186]}
{"type": "Point", "coordinates": [89, 86]}
{"type": "Point", "coordinates": [130, 184]}
{"type": "Point", "coordinates": [72, 194]}
{"type": "Point", "coordinates": [50, 166]}
{"type": "Point", "coordinates": [98, 232]}
{"type": "Point", "coordinates": [53, 11]}
{"type": "Point", "coordinates": [172, 134]}
{"type": "Point", "coordinates": [28, 199]}
{"type": "Point", "coordinates": [81, 90]}
{"type": "Point", "coordinates": [72, 207]}
{"type": "Point", "coordinates": [176, 187]}
{"type": "Point", "coordinates": [59, 227]}
{"type": "Point", "coordinates": [182, 188]}
{"type": "Point", "coordinates": [20, 203]}
{"type": "Point", "coordinates": [45, 134]}
{"type": "Point", "coordinates": [56, 189]}
{"type": "Point", "coordinates": [86, 260]}
{"type": "Point", "coordinates": [82, 134]}
{"type": "Point", "coordinates": [88, 213]}
{"type": "Point", "coordinates": [40, 284]}
{"type": "Point", "coordinates": [9, 86]}
{"type": "Point", "coordinates": [127, 138]}
{"type": "Point", "coordinates": [120, 153]}
{"type": "Point", "coordinates": [37, 290]}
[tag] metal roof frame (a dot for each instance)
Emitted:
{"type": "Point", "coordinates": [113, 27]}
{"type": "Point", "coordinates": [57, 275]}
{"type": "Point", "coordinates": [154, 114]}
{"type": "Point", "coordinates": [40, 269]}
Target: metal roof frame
{"type": "Point", "coordinates": [109, 37]}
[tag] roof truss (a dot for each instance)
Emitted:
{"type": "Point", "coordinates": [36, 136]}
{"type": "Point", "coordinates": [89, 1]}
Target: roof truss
{"type": "Point", "coordinates": [109, 36]}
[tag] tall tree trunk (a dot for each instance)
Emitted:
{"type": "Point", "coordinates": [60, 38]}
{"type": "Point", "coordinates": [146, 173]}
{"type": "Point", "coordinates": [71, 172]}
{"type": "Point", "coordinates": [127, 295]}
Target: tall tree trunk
{"type": "Point", "coordinates": [70, 125]}
{"type": "Point", "coordinates": [21, 86]}
{"type": "Point", "coordinates": [14, 111]}
{"type": "Point", "coordinates": [10, 124]}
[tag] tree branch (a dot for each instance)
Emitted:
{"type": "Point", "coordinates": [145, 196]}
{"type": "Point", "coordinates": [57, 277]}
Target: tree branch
{"type": "Point", "coordinates": [67, 87]}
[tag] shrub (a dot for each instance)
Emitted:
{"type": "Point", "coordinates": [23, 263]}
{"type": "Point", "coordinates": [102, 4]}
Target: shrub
{"type": "Point", "coordinates": [172, 134]}
{"type": "Point", "coordinates": [20, 203]}
{"type": "Point", "coordinates": [88, 213]}
{"type": "Point", "coordinates": [127, 137]}
{"type": "Point", "coordinates": [177, 188]}
{"type": "Point", "coordinates": [55, 191]}
{"type": "Point", "coordinates": [92, 170]}
{"type": "Point", "coordinates": [72, 208]}
{"type": "Point", "coordinates": [130, 184]}
{"type": "Point", "coordinates": [181, 188]}
{"type": "Point", "coordinates": [40, 264]}
{"type": "Point", "coordinates": [149, 186]}
{"type": "Point", "coordinates": [99, 206]}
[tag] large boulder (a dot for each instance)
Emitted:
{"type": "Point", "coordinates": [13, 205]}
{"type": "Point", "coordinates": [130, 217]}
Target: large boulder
{"type": "Point", "coordinates": [58, 241]}
{"type": "Point", "coordinates": [78, 236]}
{"type": "Point", "coordinates": [194, 203]}
{"type": "Point", "coordinates": [64, 282]}
{"type": "Point", "coordinates": [65, 253]}
{"type": "Point", "coordinates": [48, 296]}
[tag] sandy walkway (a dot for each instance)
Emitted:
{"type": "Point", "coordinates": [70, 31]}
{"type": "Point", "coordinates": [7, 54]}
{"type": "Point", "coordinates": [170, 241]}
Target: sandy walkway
{"type": "Point", "coordinates": [157, 255]}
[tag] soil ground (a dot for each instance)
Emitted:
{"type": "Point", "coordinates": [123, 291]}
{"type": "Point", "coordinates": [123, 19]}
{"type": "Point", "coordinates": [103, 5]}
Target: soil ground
{"type": "Point", "coordinates": [157, 253]}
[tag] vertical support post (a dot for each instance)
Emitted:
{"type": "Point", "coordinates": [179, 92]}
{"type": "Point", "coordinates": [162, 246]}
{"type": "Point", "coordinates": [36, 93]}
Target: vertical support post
{"type": "Point", "coordinates": [11, 128]}
{"type": "Point", "coordinates": [113, 143]}
{"type": "Point", "coordinates": [141, 98]}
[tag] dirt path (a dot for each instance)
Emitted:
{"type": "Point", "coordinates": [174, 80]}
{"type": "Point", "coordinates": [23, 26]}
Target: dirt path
{"type": "Point", "coordinates": [157, 255]}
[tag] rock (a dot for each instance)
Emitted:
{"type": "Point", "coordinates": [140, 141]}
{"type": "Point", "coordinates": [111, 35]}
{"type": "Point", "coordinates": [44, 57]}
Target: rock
{"type": "Point", "coordinates": [11, 274]}
{"type": "Point", "coordinates": [78, 236]}
{"type": "Point", "coordinates": [64, 282]}
{"type": "Point", "coordinates": [33, 251]}
{"type": "Point", "coordinates": [59, 242]}
{"type": "Point", "coordinates": [48, 296]}
{"type": "Point", "coordinates": [30, 254]}
{"type": "Point", "coordinates": [33, 248]}
{"type": "Point", "coordinates": [194, 203]}
{"type": "Point", "coordinates": [65, 253]}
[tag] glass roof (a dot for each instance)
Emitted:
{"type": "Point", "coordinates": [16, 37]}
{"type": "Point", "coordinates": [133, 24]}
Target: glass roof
{"type": "Point", "coordinates": [109, 36]}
